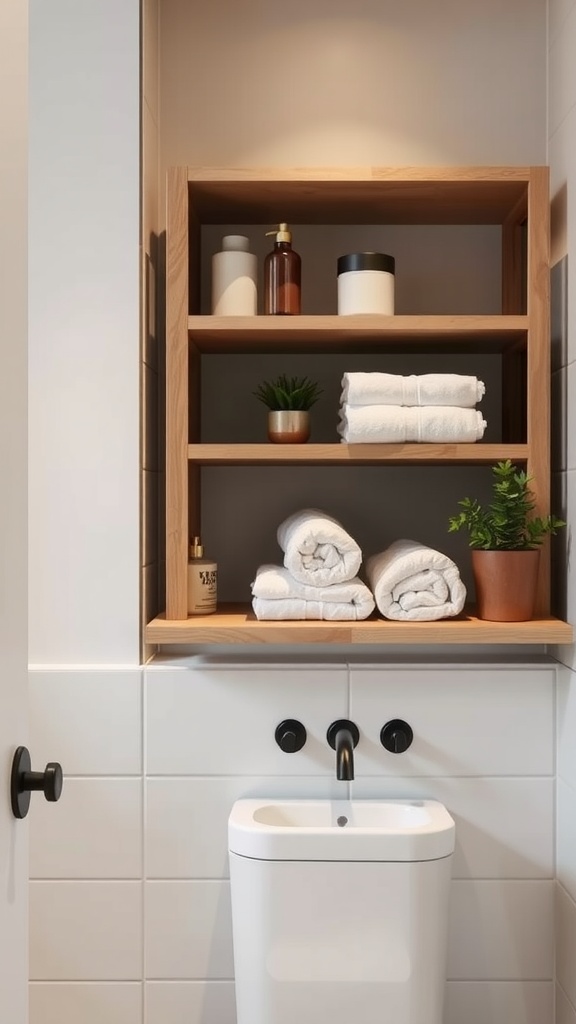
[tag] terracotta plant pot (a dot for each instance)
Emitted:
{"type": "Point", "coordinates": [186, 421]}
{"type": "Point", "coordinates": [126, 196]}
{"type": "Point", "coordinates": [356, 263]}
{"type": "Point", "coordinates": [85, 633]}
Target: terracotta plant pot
{"type": "Point", "coordinates": [289, 426]}
{"type": "Point", "coordinates": [505, 584]}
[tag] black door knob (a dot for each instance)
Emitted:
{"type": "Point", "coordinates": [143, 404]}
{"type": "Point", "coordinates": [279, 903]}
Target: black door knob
{"type": "Point", "coordinates": [290, 735]}
{"type": "Point", "coordinates": [396, 736]}
{"type": "Point", "coordinates": [23, 782]}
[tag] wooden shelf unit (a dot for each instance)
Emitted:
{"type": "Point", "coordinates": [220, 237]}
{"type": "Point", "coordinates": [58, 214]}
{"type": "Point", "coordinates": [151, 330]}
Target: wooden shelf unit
{"type": "Point", "coordinates": [515, 198]}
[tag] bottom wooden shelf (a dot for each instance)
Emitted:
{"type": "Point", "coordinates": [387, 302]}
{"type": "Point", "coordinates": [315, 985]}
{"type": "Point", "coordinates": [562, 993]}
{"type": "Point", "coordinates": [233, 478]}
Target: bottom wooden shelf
{"type": "Point", "coordinates": [237, 624]}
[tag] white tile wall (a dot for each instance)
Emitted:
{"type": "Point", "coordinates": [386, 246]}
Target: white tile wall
{"type": "Point", "coordinates": [85, 931]}
{"type": "Point", "coordinates": [89, 721]}
{"type": "Point", "coordinates": [188, 930]}
{"type": "Point", "coordinates": [221, 721]}
{"type": "Point", "coordinates": [565, 1011]}
{"type": "Point", "coordinates": [566, 842]}
{"type": "Point", "coordinates": [85, 1003]}
{"type": "Point", "coordinates": [190, 1002]}
{"type": "Point", "coordinates": [566, 942]}
{"type": "Point", "coordinates": [72, 838]}
{"type": "Point", "coordinates": [465, 721]}
{"type": "Point", "coordinates": [501, 930]}
{"type": "Point", "coordinates": [499, 1002]}
{"type": "Point", "coordinates": [209, 740]}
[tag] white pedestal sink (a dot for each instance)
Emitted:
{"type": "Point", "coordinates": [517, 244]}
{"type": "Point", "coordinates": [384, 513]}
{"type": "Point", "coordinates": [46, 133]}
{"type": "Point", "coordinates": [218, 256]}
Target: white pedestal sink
{"type": "Point", "coordinates": [340, 910]}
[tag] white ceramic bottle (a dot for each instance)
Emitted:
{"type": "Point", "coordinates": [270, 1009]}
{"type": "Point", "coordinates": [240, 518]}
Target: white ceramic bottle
{"type": "Point", "coordinates": [234, 278]}
{"type": "Point", "coordinates": [202, 581]}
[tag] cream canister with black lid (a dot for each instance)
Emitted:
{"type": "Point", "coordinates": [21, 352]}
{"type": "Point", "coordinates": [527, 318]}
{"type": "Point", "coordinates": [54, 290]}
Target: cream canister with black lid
{"type": "Point", "coordinates": [366, 283]}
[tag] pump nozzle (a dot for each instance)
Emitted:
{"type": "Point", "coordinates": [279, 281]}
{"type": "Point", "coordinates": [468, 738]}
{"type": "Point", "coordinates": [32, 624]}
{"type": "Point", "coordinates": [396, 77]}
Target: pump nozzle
{"type": "Point", "coordinates": [283, 234]}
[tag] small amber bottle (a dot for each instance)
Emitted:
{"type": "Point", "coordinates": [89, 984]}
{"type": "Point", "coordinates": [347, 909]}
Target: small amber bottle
{"type": "Point", "coordinates": [202, 581]}
{"type": "Point", "coordinates": [282, 274]}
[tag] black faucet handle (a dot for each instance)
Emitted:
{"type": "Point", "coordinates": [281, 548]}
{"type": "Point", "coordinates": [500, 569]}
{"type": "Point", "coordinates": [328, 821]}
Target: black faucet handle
{"type": "Point", "coordinates": [290, 735]}
{"type": "Point", "coordinates": [396, 736]}
{"type": "Point", "coordinates": [334, 729]}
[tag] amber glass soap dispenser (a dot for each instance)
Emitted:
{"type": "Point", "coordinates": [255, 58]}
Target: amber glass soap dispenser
{"type": "Point", "coordinates": [282, 275]}
{"type": "Point", "coordinates": [202, 581]}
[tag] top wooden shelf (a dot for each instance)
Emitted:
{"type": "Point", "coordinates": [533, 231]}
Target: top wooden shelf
{"type": "Point", "coordinates": [364, 195]}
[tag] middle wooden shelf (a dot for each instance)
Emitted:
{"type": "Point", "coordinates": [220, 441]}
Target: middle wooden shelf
{"type": "Point", "coordinates": [354, 454]}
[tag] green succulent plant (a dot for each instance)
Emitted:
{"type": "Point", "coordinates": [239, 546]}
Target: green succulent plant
{"type": "Point", "coordinates": [506, 523]}
{"type": "Point", "coordinates": [288, 393]}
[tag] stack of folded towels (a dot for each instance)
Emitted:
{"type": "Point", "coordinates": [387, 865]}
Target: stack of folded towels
{"type": "Point", "coordinates": [387, 408]}
{"type": "Point", "coordinates": [319, 577]}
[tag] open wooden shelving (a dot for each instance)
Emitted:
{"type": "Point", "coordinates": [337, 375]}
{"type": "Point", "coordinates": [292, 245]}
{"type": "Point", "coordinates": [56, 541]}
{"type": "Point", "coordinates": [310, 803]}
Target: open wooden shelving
{"type": "Point", "coordinates": [517, 199]}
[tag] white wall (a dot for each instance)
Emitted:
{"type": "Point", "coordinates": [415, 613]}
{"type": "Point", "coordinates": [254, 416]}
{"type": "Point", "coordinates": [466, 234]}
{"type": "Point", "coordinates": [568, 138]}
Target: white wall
{"type": "Point", "coordinates": [562, 159]}
{"type": "Point", "coordinates": [130, 912]}
{"type": "Point", "coordinates": [84, 380]}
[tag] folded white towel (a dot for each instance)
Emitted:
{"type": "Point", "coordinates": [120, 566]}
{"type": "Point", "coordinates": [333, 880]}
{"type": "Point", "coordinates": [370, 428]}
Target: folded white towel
{"type": "Point", "coordinates": [317, 549]}
{"type": "Point", "coordinates": [448, 389]}
{"type": "Point", "coordinates": [394, 424]}
{"type": "Point", "coordinates": [413, 582]}
{"type": "Point", "coordinates": [277, 595]}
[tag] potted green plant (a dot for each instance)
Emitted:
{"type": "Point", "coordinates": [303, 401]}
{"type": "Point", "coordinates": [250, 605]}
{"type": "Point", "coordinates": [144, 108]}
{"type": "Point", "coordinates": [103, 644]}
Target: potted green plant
{"type": "Point", "coordinates": [505, 539]}
{"type": "Point", "coordinates": [289, 400]}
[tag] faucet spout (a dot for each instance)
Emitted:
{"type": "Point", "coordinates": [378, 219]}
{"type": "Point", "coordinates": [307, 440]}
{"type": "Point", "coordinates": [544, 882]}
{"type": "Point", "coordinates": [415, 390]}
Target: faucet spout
{"type": "Point", "coordinates": [344, 755]}
{"type": "Point", "coordinates": [343, 736]}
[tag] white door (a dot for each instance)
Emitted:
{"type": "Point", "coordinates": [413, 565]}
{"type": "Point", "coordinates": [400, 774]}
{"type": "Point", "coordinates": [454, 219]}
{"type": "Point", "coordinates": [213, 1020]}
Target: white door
{"type": "Point", "coordinates": [13, 501]}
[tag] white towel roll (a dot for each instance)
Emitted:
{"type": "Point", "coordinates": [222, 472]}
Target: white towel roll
{"type": "Point", "coordinates": [394, 424]}
{"type": "Point", "coordinates": [317, 549]}
{"type": "Point", "coordinates": [415, 583]}
{"type": "Point", "coordinates": [447, 389]}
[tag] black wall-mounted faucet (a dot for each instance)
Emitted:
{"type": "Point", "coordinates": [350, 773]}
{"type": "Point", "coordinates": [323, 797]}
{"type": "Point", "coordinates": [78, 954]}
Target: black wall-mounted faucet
{"type": "Point", "coordinates": [343, 736]}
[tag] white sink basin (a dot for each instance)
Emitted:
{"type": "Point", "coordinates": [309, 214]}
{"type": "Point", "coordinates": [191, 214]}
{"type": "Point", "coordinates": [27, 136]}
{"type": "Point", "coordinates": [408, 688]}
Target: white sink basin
{"type": "Point", "coordinates": [371, 830]}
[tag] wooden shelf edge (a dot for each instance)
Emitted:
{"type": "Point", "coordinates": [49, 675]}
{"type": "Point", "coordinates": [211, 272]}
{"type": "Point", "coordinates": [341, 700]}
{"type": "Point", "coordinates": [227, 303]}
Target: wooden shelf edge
{"type": "Point", "coordinates": [354, 454]}
{"type": "Point", "coordinates": [418, 325]}
{"type": "Point", "coordinates": [236, 624]}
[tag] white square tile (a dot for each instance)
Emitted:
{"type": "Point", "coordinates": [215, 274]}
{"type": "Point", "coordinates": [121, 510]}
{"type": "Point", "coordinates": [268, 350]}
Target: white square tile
{"type": "Point", "coordinates": [85, 1003]}
{"type": "Point", "coordinates": [190, 1002]}
{"type": "Point", "coordinates": [566, 943]}
{"type": "Point", "coordinates": [466, 721]}
{"type": "Point", "coordinates": [566, 725]}
{"type": "Point", "coordinates": [499, 1002]}
{"type": "Point", "coordinates": [188, 930]}
{"type": "Point", "coordinates": [504, 827]}
{"type": "Point", "coordinates": [187, 819]}
{"type": "Point", "coordinates": [565, 1012]}
{"type": "Point", "coordinates": [89, 721]}
{"type": "Point", "coordinates": [85, 931]}
{"type": "Point", "coordinates": [501, 931]}
{"type": "Point", "coordinates": [221, 721]}
{"type": "Point", "coordinates": [566, 837]}
{"type": "Point", "coordinates": [94, 831]}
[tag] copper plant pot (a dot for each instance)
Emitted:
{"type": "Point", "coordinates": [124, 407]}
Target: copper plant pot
{"type": "Point", "coordinates": [289, 426]}
{"type": "Point", "coordinates": [505, 584]}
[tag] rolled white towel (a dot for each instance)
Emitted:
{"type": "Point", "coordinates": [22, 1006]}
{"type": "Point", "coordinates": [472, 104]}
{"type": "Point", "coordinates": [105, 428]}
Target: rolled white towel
{"type": "Point", "coordinates": [415, 583]}
{"type": "Point", "coordinates": [394, 424]}
{"type": "Point", "coordinates": [317, 549]}
{"type": "Point", "coordinates": [277, 595]}
{"type": "Point", "coordinates": [447, 389]}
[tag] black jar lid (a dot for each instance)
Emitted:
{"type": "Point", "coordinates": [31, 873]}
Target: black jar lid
{"type": "Point", "coordinates": [366, 261]}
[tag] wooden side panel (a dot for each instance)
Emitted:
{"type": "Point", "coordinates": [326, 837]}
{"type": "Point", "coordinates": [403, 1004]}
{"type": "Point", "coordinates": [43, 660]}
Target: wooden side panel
{"type": "Point", "coordinates": [176, 393]}
{"type": "Point", "coordinates": [538, 367]}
